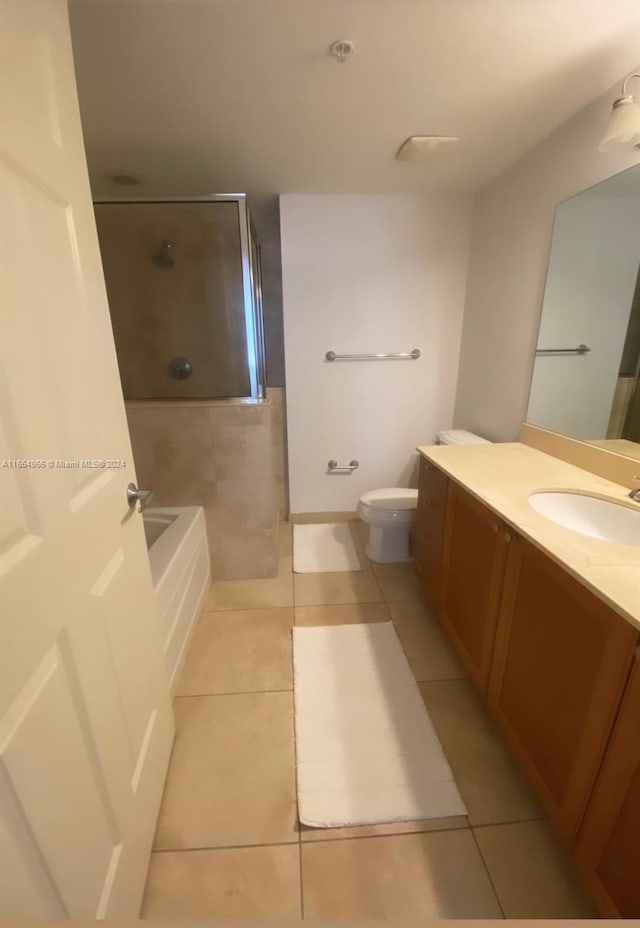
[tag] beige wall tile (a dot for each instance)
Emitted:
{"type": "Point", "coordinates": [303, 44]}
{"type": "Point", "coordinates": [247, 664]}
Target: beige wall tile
{"type": "Point", "coordinates": [531, 873]}
{"type": "Point", "coordinates": [241, 453]}
{"type": "Point", "coordinates": [147, 302]}
{"type": "Point", "coordinates": [436, 875]}
{"type": "Point", "coordinates": [231, 778]}
{"type": "Point", "coordinates": [253, 594]}
{"type": "Point", "coordinates": [345, 587]}
{"type": "Point", "coordinates": [239, 652]}
{"type": "Point", "coordinates": [491, 785]}
{"type": "Point", "coordinates": [425, 644]}
{"type": "Point", "coordinates": [343, 614]}
{"type": "Point", "coordinates": [251, 882]}
{"type": "Point", "coordinates": [219, 457]}
{"type": "Point", "coordinates": [244, 414]}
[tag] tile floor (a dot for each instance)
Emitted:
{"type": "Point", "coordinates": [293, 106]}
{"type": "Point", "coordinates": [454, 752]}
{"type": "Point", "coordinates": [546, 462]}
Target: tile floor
{"type": "Point", "coordinates": [228, 844]}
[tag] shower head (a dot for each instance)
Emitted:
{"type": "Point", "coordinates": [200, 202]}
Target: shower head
{"type": "Point", "coordinates": [164, 257]}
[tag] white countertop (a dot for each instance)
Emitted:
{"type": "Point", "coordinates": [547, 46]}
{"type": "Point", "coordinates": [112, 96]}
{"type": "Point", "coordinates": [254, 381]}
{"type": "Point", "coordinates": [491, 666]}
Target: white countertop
{"type": "Point", "coordinates": [503, 475]}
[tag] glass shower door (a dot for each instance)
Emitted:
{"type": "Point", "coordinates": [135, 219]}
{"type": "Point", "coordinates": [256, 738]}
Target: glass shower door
{"type": "Point", "coordinates": [185, 318]}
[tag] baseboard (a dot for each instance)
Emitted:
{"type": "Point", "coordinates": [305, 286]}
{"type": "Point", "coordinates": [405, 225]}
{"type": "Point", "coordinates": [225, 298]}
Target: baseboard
{"type": "Point", "coordinates": [304, 518]}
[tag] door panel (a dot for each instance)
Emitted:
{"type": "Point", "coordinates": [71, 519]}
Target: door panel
{"type": "Point", "coordinates": [473, 567]}
{"type": "Point", "coordinates": [608, 846]}
{"type": "Point", "coordinates": [43, 736]}
{"type": "Point", "coordinates": [85, 716]}
{"type": "Point", "coordinates": [429, 532]}
{"type": "Point", "coordinates": [560, 662]}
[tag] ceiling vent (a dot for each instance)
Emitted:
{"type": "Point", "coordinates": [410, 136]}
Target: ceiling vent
{"type": "Point", "coordinates": [421, 147]}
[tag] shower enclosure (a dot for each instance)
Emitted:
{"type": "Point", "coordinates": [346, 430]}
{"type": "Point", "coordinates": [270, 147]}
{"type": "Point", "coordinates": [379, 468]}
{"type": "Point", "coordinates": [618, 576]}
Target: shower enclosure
{"type": "Point", "coordinates": [183, 280]}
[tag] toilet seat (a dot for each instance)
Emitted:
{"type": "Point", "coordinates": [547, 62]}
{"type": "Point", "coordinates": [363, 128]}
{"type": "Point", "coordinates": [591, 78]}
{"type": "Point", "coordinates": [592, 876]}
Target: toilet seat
{"type": "Point", "coordinates": [390, 512]}
{"type": "Point", "coordinates": [389, 506]}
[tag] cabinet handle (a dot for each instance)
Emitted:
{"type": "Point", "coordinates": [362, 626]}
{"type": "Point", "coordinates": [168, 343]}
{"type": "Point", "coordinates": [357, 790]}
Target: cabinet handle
{"type": "Point", "coordinates": [508, 537]}
{"type": "Point", "coordinates": [495, 527]}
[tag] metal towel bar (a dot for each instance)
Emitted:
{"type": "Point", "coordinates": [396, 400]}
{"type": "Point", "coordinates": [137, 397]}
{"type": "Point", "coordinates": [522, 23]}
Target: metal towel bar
{"type": "Point", "coordinates": [579, 349]}
{"type": "Point", "coordinates": [383, 356]}
{"type": "Point", "coordinates": [335, 468]}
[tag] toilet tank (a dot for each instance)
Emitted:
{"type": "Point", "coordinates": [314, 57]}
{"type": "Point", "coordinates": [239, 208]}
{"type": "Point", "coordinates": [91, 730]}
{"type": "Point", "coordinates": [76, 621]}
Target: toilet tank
{"type": "Point", "coordinates": [460, 437]}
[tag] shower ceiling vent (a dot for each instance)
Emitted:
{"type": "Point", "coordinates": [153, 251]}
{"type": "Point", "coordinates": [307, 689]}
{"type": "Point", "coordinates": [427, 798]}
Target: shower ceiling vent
{"type": "Point", "coordinates": [125, 180]}
{"type": "Point", "coordinates": [421, 147]}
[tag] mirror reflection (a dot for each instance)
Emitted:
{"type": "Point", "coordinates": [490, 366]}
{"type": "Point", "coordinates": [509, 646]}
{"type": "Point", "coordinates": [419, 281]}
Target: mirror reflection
{"type": "Point", "coordinates": [587, 365]}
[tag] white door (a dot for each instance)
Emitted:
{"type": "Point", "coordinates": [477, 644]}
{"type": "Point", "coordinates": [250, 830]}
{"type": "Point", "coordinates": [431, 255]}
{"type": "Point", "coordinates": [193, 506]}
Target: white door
{"type": "Point", "coordinates": [85, 717]}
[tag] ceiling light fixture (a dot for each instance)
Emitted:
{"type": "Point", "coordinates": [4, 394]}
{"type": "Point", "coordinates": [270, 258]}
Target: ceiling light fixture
{"type": "Point", "coordinates": [623, 128]}
{"type": "Point", "coordinates": [420, 147]}
{"type": "Point", "coordinates": [341, 49]}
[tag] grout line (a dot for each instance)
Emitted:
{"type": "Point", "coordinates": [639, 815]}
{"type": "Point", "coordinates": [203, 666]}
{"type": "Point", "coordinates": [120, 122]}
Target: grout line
{"type": "Point", "coordinates": [440, 679]}
{"type": "Point", "coordinates": [516, 821]}
{"type": "Point", "coordinates": [295, 756]}
{"type": "Point", "coordinates": [488, 872]}
{"type": "Point", "coordinates": [245, 608]}
{"type": "Point", "coordinates": [301, 843]}
{"type": "Point", "coordinates": [232, 693]}
{"type": "Point", "coordinates": [219, 847]}
{"type": "Point", "coordinates": [204, 611]}
{"type": "Point", "coordinates": [387, 834]}
{"type": "Point", "coordinates": [301, 875]}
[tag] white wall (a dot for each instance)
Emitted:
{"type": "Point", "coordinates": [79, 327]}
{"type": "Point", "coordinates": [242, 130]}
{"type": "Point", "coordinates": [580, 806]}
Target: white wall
{"type": "Point", "coordinates": [512, 223]}
{"type": "Point", "coordinates": [368, 274]}
{"type": "Point", "coordinates": [588, 295]}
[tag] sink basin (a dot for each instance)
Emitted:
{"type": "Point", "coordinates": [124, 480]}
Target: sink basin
{"type": "Point", "coordinates": [589, 515]}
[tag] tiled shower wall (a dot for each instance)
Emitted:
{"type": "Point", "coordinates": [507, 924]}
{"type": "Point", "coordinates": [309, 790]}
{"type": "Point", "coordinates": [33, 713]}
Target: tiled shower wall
{"type": "Point", "coordinates": [227, 458]}
{"type": "Point", "coordinates": [277, 398]}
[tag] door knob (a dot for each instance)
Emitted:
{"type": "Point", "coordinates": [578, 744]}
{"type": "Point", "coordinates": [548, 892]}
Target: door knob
{"type": "Point", "coordinates": [134, 495]}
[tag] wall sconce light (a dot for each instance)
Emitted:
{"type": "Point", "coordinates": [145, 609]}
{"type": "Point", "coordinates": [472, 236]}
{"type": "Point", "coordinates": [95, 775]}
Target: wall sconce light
{"type": "Point", "coordinates": [623, 128]}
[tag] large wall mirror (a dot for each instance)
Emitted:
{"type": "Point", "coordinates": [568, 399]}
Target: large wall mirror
{"type": "Point", "coordinates": [585, 380]}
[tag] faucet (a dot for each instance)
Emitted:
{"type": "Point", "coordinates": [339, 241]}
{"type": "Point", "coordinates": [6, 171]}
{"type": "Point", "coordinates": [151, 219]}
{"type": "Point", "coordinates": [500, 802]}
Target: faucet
{"type": "Point", "coordinates": [635, 494]}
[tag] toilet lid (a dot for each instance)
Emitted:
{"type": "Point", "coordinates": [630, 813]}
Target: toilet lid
{"type": "Point", "coordinates": [391, 498]}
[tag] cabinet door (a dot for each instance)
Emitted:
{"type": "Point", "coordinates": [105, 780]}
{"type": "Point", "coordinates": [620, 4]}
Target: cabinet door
{"type": "Point", "coordinates": [608, 847]}
{"type": "Point", "coordinates": [560, 662]}
{"type": "Point", "coordinates": [429, 534]}
{"type": "Point", "coordinates": [475, 549]}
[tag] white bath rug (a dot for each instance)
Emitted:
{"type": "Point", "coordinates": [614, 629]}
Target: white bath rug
{"type": "Point", "coordinates": [366, 750]}
{"type": "Point", "coordinates": [322, 548]}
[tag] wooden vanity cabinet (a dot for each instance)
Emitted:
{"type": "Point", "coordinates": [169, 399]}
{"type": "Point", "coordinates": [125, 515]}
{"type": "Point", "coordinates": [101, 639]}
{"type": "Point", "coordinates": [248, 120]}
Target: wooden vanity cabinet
{"type": "Point", "coordinates": [475, 549]}
{"type": "Point", "coordinates": [429, 531]}
{"type": "Point", "coordinates": [608, 848]}
{"type": "Point", "coordinates": [560, 663]}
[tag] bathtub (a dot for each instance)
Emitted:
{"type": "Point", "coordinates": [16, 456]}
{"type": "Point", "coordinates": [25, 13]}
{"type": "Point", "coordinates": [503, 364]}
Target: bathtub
{"type": "Point", "coordinates": [181, 574]}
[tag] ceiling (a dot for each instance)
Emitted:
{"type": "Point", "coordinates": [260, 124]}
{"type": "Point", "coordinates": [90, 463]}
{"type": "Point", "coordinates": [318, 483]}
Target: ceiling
{"type": "Point", "coordinates": [242, 95]}
{"type": "Point", "coordinates": [625, 184]}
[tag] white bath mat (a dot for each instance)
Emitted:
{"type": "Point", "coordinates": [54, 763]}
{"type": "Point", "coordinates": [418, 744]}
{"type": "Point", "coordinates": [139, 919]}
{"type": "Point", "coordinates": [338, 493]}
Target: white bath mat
{"type": "Point", "coordinates": [366, 750]}
{"type": "Point", "coordinates": [322, 548]}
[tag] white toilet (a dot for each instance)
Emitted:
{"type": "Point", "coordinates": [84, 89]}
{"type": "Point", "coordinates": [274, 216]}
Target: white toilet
{"type": "Point", "coordinates": [391, 512]}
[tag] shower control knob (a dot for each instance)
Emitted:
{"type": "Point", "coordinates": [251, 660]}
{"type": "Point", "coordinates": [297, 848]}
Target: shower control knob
{"type": "Point", "coordinates": [180, 368]}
